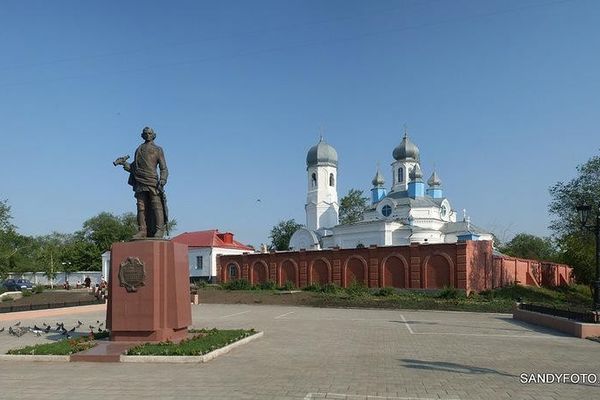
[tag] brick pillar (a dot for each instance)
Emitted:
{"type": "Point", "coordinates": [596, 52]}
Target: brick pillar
{"type": "Point", "coordinates": [373, 267]}
{"type": "Point", "coordinates": [461, 267]}
{"type": "Point", "coordinates": [337, 272]}
{"type": "Point", "coordinates": [303, 269]}
{"type": "Point", "coordinates": [246, 272]}
{"type": "Point", "coordinates": [273, 272]}
{"type": "Point", "coordinates": [415, 267]}
{"type": "Point", "coordinates": [218, 277]}
{"type": "Point", "coordinates": [373, 272]}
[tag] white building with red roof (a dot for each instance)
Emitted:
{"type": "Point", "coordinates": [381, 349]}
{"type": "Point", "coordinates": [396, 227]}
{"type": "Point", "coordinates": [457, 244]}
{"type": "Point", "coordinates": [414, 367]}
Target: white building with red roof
{"type": "Point", "coordinates": [203, 249]}
{"type": "Point", "coordinates": [205, 246]}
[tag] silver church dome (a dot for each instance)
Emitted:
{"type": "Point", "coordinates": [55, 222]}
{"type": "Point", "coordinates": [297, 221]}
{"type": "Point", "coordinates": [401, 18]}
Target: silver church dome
{"type": "Point", "coordinates": [406, 150]}
{"type": "Point", "coordinates": [322, 153]}
{"type": "Point", "coordinates": [378, 180]}
{"type": "Point", "coordinates": [416, 174]}
{"type": "Point", "coordinates": [434, 180]}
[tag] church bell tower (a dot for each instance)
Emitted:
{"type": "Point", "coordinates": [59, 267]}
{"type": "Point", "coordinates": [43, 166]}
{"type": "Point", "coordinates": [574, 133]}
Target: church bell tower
{"type": "Point", "coordinates": [322, 207]}
{"type": "Point", "coordinates": [406, 157]}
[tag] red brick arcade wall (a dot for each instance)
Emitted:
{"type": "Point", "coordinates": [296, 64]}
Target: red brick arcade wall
{"type": "Point", "coordinates": [468, 265]}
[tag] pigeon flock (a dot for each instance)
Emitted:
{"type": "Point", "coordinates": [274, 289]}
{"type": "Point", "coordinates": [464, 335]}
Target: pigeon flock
{"type": "Point", "coordinates": [17, 330]}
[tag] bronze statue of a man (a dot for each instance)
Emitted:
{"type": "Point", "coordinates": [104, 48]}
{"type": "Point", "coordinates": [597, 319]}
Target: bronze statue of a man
{"type": "Point", "coordinates": [152, 214]}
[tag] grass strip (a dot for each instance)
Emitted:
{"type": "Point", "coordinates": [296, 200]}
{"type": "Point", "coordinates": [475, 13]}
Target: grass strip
{"type": "Point", "coordinates": [63, 347]}
{"type": "Point", "coordinates": [204, 341]}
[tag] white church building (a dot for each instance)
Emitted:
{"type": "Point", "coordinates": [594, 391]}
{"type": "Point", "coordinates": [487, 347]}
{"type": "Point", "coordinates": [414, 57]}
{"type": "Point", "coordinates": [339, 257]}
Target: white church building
{"type": "Point", "coordinates": [409, 213]}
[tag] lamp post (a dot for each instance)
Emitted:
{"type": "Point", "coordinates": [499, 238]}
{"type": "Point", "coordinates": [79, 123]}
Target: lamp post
{"type": "Point", "coordinates": [67, 265]}
{"type": "Point", "coordinates": [584, 211]}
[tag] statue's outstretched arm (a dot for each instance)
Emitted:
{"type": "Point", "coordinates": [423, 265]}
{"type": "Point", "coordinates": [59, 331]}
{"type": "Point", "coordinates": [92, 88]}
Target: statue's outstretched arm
{"type": "Point", "coordinates": [123, 161]}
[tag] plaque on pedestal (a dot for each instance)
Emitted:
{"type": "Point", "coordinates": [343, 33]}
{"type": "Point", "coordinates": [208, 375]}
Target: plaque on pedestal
{"type": "Point", "coordinates": [148, 296]}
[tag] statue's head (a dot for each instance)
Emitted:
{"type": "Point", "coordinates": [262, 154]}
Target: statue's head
{"type": "Point", "coordinates": [148, 134]}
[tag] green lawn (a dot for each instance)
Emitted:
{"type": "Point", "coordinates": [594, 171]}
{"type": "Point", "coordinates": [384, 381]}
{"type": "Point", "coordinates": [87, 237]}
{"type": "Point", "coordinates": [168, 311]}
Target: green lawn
{"type": "Point", "coordinates": [497, 300]}
{"type": "Point", "coordinates": [203, 341]}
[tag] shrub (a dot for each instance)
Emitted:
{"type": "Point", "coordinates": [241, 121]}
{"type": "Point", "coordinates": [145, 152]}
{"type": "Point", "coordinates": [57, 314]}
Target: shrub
{"type": "Point", "coordinates": [26, 293]}
{"type": "Point", "coordinates": [385, 292]}
{"type": "Point", "coordinates": [314, 287]}
{"type": "Point", "coordinates": [7, 298]}
{"type": "Point", "coordinates": [268, 285]}
{"type": "Point", "coordinates": [288, 285]}
{"type": "Point", "coordinates": [215, 286]}
{"type": "Point", "coordinates": [193, 289]}
{"type": "Point", "coordinates": [450, 293]}
{"type": "Point", "coordinates": [357, 289]}
{"type": "Point", "coordinates": [37, 289]}
{"type": "Point", "coordinates": [238, 284]}
{"type": "Point", "coordinates": [326, 288]}
{"type": "Point", "coordinates": [330, 288]}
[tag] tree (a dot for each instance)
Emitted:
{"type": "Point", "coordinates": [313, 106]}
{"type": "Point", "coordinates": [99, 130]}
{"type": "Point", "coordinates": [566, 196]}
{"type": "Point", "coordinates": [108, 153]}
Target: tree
{"type": "Point", "coordinates": [13, 246]}
{"type": "Point", "coordinates": [577, 249]}
{"type": "Point", "coordinates": [49, 253]}
{"type": "Point", "coordinates": [576, 246]}
{"type": "Point", "coordinates": [282, 233]}
{"type": "Point", "coordinates": [5, 217]}
{"type": "Point", "coordinates": [105, 229]}
{"type": "Point", "coordinates": [529, 246]}
{"type": "Point", "coordinates": [352, 206]}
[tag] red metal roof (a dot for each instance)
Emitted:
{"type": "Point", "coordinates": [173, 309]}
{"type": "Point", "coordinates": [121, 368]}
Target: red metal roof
{"type": "Point", "coordinates": [210, 238]}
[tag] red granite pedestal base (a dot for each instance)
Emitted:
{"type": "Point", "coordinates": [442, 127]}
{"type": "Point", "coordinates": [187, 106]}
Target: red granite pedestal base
{"type": "Point", "coordinates": [159, 308]}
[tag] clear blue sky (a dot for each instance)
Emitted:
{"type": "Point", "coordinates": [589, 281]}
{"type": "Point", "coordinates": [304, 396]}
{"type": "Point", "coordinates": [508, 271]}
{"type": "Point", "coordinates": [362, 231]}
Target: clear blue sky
{"type": "Point", "coordinates": [502, 96]}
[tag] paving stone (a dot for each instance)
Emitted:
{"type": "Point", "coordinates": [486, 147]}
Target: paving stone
{"type": "Point", "coordinates": [352, 353]}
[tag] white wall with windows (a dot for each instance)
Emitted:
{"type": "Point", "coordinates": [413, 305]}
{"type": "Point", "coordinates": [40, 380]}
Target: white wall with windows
{"type": "Point", "coordinates": [203, 260]}
{"type": "Point", "coordinates": [199, 261]}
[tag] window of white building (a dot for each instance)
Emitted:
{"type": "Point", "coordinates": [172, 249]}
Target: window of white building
{"type": "Point", "coordinates": [232, 271]}
{"type": "Point", "coordinates": [198, 262]}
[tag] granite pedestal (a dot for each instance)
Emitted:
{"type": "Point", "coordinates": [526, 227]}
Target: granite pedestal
{"type": "Point", "coordinates": [157, 308]}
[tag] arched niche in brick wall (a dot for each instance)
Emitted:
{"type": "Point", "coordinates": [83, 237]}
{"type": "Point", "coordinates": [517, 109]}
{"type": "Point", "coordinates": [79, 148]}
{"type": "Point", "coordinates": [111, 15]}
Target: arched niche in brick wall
{"type": "Point", "coordinates": [319, 272]}
{"type": "Point", "coordinates": [259, 272]}
{"type": "Point", "coordinates": [232, 271]}
{"type": "Point", "coordinates": [355, 269]}
{"type": "Point", "coordinates": [438, 271]}
{"type": "Point", "coordinates": [288, 272]}
{"type": "Point", "coordinates": [394, 271]}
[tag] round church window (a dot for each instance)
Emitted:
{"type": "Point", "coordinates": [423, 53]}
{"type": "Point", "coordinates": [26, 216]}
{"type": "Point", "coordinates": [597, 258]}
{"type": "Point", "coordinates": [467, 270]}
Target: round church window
{"type": "Point", "coordinates": [386, 210]}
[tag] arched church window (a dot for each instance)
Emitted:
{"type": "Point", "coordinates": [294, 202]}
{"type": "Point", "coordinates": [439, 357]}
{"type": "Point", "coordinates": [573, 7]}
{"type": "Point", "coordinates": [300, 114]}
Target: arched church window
{"type": "Point", "coordinates": [331, 180]}
{"type": "Point", "coordinates": [400, 174]}
{"type": "Point", "coordinates": [314, 179]}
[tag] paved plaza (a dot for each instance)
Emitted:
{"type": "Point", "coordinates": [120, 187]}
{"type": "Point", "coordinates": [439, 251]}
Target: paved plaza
{"type": "Point", "coordinates": [313, 353]}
